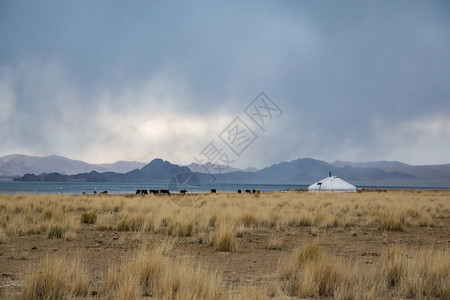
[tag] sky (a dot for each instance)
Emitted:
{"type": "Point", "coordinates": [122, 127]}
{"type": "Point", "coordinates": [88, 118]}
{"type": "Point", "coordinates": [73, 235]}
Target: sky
{"type": "Point", "coordinates": [102, 81]}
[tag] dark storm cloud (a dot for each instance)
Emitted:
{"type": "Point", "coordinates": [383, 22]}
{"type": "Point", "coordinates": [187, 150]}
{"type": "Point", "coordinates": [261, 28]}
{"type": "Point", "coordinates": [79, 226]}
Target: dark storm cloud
{"type": "Point", "coordinates": [357, 81]}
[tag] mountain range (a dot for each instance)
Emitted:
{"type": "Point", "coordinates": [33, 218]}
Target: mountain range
{"type": "Point", "coordinates": [300, 171]}
{"type": "Point", "coordinates": [19, 164]}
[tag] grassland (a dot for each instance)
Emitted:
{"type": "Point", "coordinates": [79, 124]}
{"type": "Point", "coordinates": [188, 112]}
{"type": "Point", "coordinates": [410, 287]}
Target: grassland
{"type": "Point", "coordinates": [393, 244]}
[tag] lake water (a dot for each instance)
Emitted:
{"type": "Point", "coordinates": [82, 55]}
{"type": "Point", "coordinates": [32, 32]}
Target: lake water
{"type": "Point", "coordinates": [131, 187]}
{"type": "Point", "coordinates": [14, 187]}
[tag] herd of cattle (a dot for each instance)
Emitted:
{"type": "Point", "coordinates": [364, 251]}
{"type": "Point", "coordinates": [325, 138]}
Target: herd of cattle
{"type": "Point", "coordinates": [166, 192]}
{"type": "Point", "coordinates": [155, 192]}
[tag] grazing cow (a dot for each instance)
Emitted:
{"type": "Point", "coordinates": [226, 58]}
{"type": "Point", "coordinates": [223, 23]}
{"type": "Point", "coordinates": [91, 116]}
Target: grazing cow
{"type": "Point", "coordinates": [138, 192]}
{"type": "Point", "coordinates": [164, 192]}
{"type": "Point", "coordinates": [248, 191]}
{"type": "Point", "coordinates": [154, 192]}
{"type": "Point", "coordinates": [95, 192]}
{"type": "Point", "coordinates": [144, 192]}
{"type": "Point", "coordinates": [239, 191]}
{"type": "Point", "coordinates": [104, 193]}
{"type": "Point", "coordinates": [255, 191]}
{"type": "Point", "coordinates": [213, 191]}
{"type": "Point", "coordinates": [183, 192]}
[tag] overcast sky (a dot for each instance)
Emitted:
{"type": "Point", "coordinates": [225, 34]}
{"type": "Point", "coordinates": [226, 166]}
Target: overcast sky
{"type": "Point", "coordinates": [103, 81]}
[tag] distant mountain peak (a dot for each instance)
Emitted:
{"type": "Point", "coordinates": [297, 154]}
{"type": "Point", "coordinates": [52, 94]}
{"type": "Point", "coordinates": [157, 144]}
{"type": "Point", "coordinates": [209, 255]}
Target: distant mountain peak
{"type": "Point", "coordinates": [157, 160]}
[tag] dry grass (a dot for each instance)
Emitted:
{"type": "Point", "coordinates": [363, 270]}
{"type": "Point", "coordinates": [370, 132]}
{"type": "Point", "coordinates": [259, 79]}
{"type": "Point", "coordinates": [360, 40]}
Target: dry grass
{"type": "Point", "coordinates": [89, 217]}
{"type": "Point", "coordinates": [223, 221]}
{"type": "Point", "coordinates": [392, 221]}
{"type": "Point", "coordinates": [57, 279]}
{"type": "Point", "coordinates": [152, 273]}
{"type": "Point", "coordinates": [310, 273]}
{"type": "Point", "coordinates": [56, 232]}
{"type": "Point", "coordinates": [224, 239]}
{"type": "Point", "coordinates": [396, 211]}
{"type": "Point", "coordinates": [275, 242]}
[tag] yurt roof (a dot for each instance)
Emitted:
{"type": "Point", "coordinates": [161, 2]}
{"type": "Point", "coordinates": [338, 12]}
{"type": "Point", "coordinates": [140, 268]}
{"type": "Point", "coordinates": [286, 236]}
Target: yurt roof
{"type": "Point", "coordinates": [332, 184]}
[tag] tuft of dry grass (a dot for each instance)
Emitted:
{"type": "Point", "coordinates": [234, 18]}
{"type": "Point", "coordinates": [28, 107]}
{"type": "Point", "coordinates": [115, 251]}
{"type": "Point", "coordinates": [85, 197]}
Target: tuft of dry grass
{"type": "Point", "coordinates": [152, 273]}
{"type": "Point", "coordinates": [425, 220]}
{"type": "Point", "coordinates": [131, 222]}
{"type": "Point", "coordinates": [2, 236]}
{"type": "Point", "coordinates": [309, 252]}
{"type": "Point", "coordinates": [89, 217]}
{"type": "Point", "coordinates": [302, 220]}
{"type": "Point", "coordinates": [393, 269]}
{"type": "Point", "coordinates": [390, 221]}
{"type": "Point", "coordinates": [424, 277]}
{"type": "Point", "coordinates": [309, 274]}
{"type": "Point", "coordinates": [248, 219]}
{"type": "Point", "coordinates": [275, 242]}
{"type": "Point", "coordinates": [181, 229]}
{"type": "Point", "coordinates": [56, 232]}
{"type": "Point", "coordinates": [225, 240]}
{"type": "Point", "coordinates": [57, 278]}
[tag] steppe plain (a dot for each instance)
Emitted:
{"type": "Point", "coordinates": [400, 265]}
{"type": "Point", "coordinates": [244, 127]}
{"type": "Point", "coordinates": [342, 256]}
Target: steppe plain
{"type": "Point", "coordinates": [376, 244]}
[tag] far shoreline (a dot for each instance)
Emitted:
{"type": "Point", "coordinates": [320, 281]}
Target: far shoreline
{"type": "Point", "coordinates": [178, 194]}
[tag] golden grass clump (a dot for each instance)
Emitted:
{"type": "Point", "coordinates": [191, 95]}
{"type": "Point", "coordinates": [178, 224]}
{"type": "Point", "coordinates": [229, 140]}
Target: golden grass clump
{"type": "Point", "coordinates": [131, 222]}
{"type": "Point", "coordinates": [181, 229]}
{"type": "Point", "coordinates": [151, 273]}
{"type": "Point", "coordinates": [275, 242]}
{"type": "Point", "coordinates": [428, 275]}
{"type": "Point", "coordinates": [248, 219]}
{"type": "Point", "coordinates": [56, 232]}
{"type": "Point", "coordinates": [425, 220]}
{"type": "Point", "coordinates": [390, 221]}
{"type": "Point", "coordinates": [2, 236]}
{"type": "Point", "coordinates": [309, 252]}
{"type": "Point", "coordinates": [394, 267]}
{"type": "Point", "coordinates": [224, 239]}
{"type": "Point", "coordinates": [57, 278]}
{"type": "Point", "coordinates": [300, 220]}
{"type": "Point", "coordinates": [89, 217]}
{"type": "Point", "coordinates": [308, 273]}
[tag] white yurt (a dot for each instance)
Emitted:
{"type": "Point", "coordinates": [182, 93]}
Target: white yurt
{"type": "Point", "coordinates": [332, 184]}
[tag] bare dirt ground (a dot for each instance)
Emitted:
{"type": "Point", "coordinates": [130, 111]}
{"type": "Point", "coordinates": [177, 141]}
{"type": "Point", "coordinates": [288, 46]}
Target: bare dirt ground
{"type": "Point", "coordinates": [251, 263]}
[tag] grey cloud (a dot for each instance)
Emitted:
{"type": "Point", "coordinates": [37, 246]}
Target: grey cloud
{"type": "Point", "coordinates": [338, 69]}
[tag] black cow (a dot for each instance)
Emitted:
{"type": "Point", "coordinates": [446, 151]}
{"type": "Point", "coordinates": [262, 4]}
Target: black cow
{"type": "Point", "coordinates": [248, 191]}
{"type": "Point", "coordinates": [183, 192]}
{"type": "Point", "coordinates": [213, 191]}
{"type": "Point", "coordinates": [104, 193]}
{"type": "Point", "coordinates": [138, 192]}
{"type": "Point", "coordinates": [154, 192]}
{"type": "Point", "coordinates": [144, 192]}
{"type": "Point", "coordinates": [239, 191]}
{"type": "Point", "coordinates": [164, 192]}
